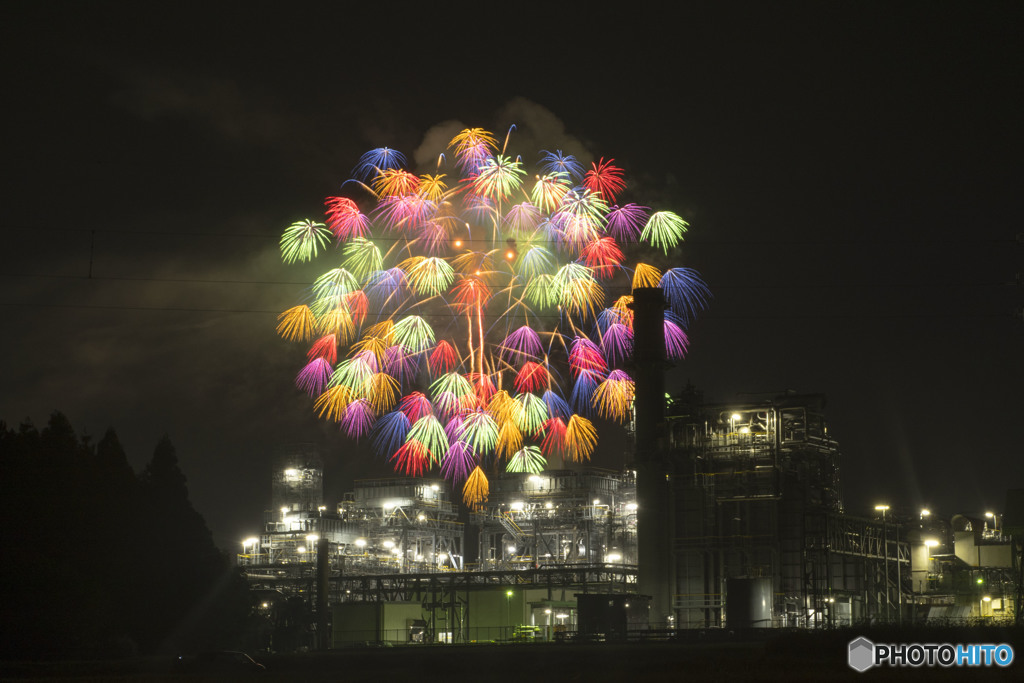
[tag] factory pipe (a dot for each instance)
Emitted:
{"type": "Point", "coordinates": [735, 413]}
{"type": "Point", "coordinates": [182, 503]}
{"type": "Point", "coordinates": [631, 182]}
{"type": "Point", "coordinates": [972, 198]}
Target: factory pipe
{"type": "Point", "coordinates": [655, 511]}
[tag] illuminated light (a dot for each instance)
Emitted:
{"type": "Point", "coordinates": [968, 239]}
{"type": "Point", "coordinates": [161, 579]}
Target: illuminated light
{"type": "Point", "coordinates": [508, 593]}
{"type": "Point", "coordinates": [252, 540]}
{"type": "Point", "coordinates": [312, 538]}
{"type": "Point", "coordinates": [517, 506]}
{"type": "Point", "coordinates": [548, 505]}
{"type": "Point", "coordinates": [612, 557]}
{"type": "Point", "coordinates": [419, 558]}
{"type": "Point", "coordinates": [926, 512]}
{"type": "Point", "coordinates": [301, 549]}
{"type": "Point", "coordinates": [388, 544]}
{"type": "Point", "coordinates": [881, 508]}
{"type": "Point", "coordinates": [435, 487]}
{"type": "Point", "coordinates": [421, 517]}
{"type": "Point", "coordinates": [987, 598]}
{"type": "Point", "coordinates": [361, 542]}
{"type": "Point", "coordinates": [534, 479]}
{"type": "Point", "coordinates": [931, 542]}
{"type": "Point", "coordinates": [291, 473]}
{"type": "Point", "coordinates": [744, 430]}
{"type": "Point", "coordinates": [989, 514]}
{"type": "Point", "coordinates": [512, 549]}
{"type": "Point", "coordinates": [547, 611]}
{"type": "Point", "coordinates": [735, 416]}
{"type": "Point", "coordinates": [632, 507]}
{"type": "Point", "coordinates": [597, 501]}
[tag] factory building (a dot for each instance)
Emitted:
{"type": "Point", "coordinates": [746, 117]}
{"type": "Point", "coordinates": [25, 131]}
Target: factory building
{"type": "Point", "coordinates": [729, 516]}
{"type": "Point", "coordinates": [399, 547]}
{"type": "Point", "coordinates": [759, 539]}
{"type": "Point", "coordinates": [759, 520]}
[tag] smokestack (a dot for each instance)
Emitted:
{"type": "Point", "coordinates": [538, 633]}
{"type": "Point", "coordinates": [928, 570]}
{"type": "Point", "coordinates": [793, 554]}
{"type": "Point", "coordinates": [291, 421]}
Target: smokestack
{"type": "Point", "coordinates": [655, 512]}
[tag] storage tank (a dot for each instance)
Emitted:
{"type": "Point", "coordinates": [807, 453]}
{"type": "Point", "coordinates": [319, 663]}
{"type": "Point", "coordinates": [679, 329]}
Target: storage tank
{"type": "Point", "coordinates": [748, 603]}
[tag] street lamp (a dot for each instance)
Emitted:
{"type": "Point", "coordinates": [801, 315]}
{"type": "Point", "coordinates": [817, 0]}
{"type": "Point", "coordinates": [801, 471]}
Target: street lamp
{"type": "Point", "coordinates": [885, 554]}
{"type": "Point", "coordinates": [930, 544]}
{"type": "Point", "coordinates": [508, 612]}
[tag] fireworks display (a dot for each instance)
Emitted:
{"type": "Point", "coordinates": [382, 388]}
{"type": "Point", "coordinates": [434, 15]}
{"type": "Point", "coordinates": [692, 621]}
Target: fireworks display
{"type": "Point", "coordinates": [479, 320]}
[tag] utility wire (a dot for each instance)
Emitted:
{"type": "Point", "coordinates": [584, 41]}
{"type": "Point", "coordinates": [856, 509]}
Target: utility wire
{"type": "Point", "coordinates": [696, 241]}
{"type": "Point", "coordinates": [872, 285]}
{"type": "Point", "coordinates": [703, 316]}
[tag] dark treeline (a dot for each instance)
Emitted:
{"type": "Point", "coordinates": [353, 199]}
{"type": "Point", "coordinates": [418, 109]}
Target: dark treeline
{"type": "Point", "coordinates": [101, 562]}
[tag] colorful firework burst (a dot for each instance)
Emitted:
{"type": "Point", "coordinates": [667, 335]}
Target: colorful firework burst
{"type": "Point", "coordinates": [479, 322]}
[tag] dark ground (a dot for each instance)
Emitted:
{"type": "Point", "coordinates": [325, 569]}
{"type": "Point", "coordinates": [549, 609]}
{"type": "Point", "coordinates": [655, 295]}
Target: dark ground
{"type": "Point", "coordinates": [800, 656]}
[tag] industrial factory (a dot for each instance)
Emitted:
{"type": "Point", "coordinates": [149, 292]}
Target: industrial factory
{"type": "Point", "coordinates": [728, 516]}
{"type": "Point", "coordinates": [755, 536]}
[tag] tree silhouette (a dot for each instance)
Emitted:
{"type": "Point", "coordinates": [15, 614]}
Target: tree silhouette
{"type": "Point", "coordinates": [101, 562]}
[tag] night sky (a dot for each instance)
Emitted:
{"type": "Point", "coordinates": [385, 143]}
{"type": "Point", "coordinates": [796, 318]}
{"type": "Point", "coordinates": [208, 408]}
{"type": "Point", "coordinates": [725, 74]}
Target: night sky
{"type": "Point", "coordinates": [851, 172]}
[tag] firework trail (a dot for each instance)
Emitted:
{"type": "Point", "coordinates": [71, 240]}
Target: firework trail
{"type": "Point", "coordinates": [472, 321]}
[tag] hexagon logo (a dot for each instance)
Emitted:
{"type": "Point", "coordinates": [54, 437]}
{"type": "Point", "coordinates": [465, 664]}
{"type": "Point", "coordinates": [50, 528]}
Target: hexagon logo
{"type": "Point", "coordinates": [862, 654]}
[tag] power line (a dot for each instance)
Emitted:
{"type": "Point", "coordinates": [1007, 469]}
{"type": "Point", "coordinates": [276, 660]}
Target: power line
{"type": "Point", "coordinates": [306, 283]}
{"type": "Point", "coordinates": [706, 316]}
{"type": "Point", "coordinates": [698, 241]}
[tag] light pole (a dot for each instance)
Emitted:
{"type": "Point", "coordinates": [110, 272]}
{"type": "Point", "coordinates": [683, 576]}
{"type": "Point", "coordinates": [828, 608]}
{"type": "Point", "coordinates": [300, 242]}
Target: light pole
{"type": "Point", "coordinates": [311, 540]}
{"type": "Point", "coordinates": [254, 543]}
{"type": "Point", "coordinates": [508, 612]}
{"type": "Point", "coordinates": [995, 523]}
{"type": "Point", "coordinates": [885, 554]}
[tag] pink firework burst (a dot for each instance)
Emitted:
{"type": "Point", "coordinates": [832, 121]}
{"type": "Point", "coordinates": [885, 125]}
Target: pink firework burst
{"type": "Point", "coordinates": [345, 220]}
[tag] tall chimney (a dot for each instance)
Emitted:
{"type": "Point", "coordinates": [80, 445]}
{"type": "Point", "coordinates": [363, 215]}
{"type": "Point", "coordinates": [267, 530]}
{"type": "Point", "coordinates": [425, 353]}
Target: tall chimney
{"type": "Point", "coordinates": [655, 512]}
